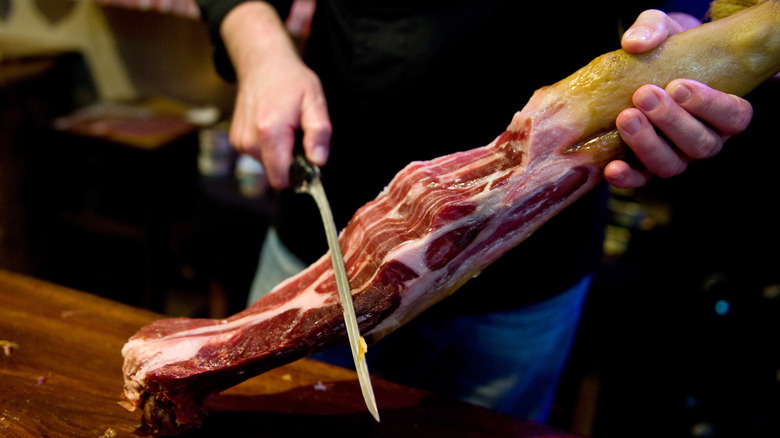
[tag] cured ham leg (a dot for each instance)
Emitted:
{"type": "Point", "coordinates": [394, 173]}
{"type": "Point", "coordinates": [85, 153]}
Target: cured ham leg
{"type": "Point", "coordinates": [440, 222]}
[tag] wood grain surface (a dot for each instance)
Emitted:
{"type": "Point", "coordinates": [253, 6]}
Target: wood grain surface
{"type": "Point", "coordinates": [61, 376]}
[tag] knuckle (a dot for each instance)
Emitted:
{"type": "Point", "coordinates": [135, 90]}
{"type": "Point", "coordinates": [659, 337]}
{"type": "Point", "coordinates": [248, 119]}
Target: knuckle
{"type": "Point", "coordinates": [672, 169]}
{"type": "Point", "coordinates": [240, 142]}
{"type": "Point", "coordinates": [741, 118]}
{"type": "Point", "coordinates": [705, 147]}
{"type": "Point", "coordinates": [264, 129]}
{"type": "Point", "coordinates": [324, 129]}
{"type": "Point", "coordinates": [729, 116]}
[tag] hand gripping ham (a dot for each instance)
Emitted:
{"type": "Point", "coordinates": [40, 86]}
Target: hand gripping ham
{"type": "Point", "coordinates": [439, 223]}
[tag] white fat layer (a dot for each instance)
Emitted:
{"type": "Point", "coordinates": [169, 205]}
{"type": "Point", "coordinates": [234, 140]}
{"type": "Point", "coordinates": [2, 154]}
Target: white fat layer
{"type": "Point", "coordinates": [412, 253]}
{"type": "Point", "coordinates": [150, 354]}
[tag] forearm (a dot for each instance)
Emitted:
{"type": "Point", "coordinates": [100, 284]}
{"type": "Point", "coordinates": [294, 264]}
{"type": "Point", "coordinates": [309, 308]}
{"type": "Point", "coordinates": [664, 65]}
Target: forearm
{"type": "Point", "coordinates": [254, 35]}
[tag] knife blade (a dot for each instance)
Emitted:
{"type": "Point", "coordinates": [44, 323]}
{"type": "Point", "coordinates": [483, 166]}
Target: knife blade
{"type": "Point", "coordinates": [305, 178]}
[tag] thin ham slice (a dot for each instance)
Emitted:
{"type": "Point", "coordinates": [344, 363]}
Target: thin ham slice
{"type": "Point", "coordinates": [439, 223]}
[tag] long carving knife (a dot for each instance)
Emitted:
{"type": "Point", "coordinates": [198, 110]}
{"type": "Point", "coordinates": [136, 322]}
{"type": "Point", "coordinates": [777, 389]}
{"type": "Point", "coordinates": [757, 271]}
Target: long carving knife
{"type": "Point", "coordinates": [305, 178]}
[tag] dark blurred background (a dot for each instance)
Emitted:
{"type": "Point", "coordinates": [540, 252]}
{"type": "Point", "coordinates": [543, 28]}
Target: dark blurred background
{"type": "Point", "coordinates": [680, 334]}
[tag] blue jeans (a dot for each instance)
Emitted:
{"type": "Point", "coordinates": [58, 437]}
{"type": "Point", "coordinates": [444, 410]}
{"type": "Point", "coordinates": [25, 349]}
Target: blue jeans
{"type": "Point", "coordinates": [510, 361]}
{"type": "Point", "coordinates": [276, 264]}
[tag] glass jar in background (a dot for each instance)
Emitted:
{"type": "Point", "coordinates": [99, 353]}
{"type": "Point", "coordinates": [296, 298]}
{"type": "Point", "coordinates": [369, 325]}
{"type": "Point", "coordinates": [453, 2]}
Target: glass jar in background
{"type": "Point", "coordinates": [216, 156]}
{"type": "Point", "coordinates": [252, 180]}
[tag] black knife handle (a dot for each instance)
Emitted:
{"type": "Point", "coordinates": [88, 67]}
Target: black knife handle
{"type": "Point", "coordinates": [302, 171]}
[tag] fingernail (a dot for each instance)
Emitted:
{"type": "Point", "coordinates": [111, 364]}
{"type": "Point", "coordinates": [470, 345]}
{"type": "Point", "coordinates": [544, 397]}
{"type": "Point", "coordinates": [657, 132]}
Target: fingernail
{"type": "Point", "coordinates": [640, 34]}
{"type": "Point", "coordinates": [631, 126]}
{"type": "Point", "coordinates": [319, 155]}
{"type": "Point", "coordinates": [618, 177]}
{"type": "Point", "coordinates": [680, 92]}
{"type": "Point", "coordinates": [647, 102]}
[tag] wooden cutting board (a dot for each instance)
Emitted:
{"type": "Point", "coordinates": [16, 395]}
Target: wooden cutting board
{"type": "Point", "coordinates": [61, 376]}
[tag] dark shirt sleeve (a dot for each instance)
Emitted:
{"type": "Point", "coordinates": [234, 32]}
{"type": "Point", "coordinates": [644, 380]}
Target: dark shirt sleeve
{"type": "Point", "coordinates": [213, 12]}
{"type": "Point", "coordinates": [696, 8]}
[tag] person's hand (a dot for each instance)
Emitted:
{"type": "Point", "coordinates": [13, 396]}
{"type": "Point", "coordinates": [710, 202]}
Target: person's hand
{"type": "Point", "coordinates": [277, 93]}
{"type": "Point", "coordinates": [669, 127]}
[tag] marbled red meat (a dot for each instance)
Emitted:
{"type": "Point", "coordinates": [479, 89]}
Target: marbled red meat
{"type": "Point", "coordinates": [436, 224]}
{"type": "Point", "coordinates": [440, 222]}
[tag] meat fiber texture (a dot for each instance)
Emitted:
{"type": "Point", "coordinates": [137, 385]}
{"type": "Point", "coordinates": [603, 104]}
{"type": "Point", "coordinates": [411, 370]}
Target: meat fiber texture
{"type": "Point", "coordinates": [441, 222]}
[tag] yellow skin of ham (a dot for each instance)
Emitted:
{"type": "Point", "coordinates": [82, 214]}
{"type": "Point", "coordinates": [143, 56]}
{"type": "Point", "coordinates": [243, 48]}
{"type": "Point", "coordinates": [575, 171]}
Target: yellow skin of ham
{"type": "Point", "coordinates": [734, 55]}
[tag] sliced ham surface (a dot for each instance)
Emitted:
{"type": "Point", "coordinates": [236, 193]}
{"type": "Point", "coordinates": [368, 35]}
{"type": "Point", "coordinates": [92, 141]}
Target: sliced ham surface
{"type": "Point", "coordinates": [440, 222]}
{"type": "Point", "coordinates": [436, 225]}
